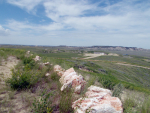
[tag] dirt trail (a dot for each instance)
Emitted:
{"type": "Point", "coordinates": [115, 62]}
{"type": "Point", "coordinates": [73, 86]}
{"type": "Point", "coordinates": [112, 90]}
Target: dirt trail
{"type": "Point", "coordinates": [12, 101]}
{"type": "Point", "coordinates": [133, 65]}
{"type": "Point", "coordinates": [88, 56]}
{"type": "Point", "coordinates": [5, 68]}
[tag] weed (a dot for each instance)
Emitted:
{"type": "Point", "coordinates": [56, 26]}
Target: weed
{"type": "Point", "coordinates": [66, 101]}
{"type": "Point", "coordinates": [118, 90]}
{"type": "Point", "coordinates": [54, 76]}
{"type": "Point", "coordinates": [129, 104]}
{"type": "Point", "coordinates": [43, 104]}
{"type": "Point", "coordinates": [146, 106]}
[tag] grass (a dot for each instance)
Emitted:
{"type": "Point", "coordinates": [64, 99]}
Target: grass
{"type": "Point", "coordinates": [131, 60]}
{"type": "Point", "coordinates": [42, 104]}
{"type": "Point", "coordinates": [66, 101]}
{"type": "Point", "coordinates": [28, 76]}
{"type": "Point", "coordinates": [146, 106]}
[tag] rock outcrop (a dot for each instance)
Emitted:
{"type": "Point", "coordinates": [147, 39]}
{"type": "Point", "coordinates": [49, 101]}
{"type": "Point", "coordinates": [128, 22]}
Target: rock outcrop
{"type": "Point", "coordinates": [59, 70]}
{"type": "Point", "coordinates": [71, 79]}
{"type": "Point", "coordinates": [98, 100]}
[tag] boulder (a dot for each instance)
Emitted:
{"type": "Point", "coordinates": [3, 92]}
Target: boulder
{"type": "Point", "coordinates": [59, 70]}
{"type": "Point", "coordinates": [72, 80]}
{"type": "Point", "coordinates": [46, 63]}
{"type": "Point", "coordinates": [37, 58]}
{"type": "Point", "coordinates": [47, 74]}
{"type": "Point", "coordinates": [98, 100]}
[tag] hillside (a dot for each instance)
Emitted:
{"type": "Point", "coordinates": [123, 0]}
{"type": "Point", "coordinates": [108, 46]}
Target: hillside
{"type": "Point", "coordinates": [131, 83]}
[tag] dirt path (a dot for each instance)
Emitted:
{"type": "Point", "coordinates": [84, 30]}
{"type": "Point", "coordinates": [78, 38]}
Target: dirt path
{"type": "Point", "coordinates": [133, 65]}
{"type": "Point", "coordinates": [88, 56]}
{"type": "Point", "coordinates": [5, 68]}
{"type": "Point", "coordinates": [12, 101]}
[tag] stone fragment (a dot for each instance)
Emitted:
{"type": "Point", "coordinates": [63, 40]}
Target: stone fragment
{"type": "Point", "coordinates": [72, 80]}
{"type": "Point", "coordinates": [46, 63]}
{"type": "Point", "coordinates": [47, 74]}
{"type": "Point", "coordinates": [59, 70]}
{"type": "Point", "coordinates": [98, 100]}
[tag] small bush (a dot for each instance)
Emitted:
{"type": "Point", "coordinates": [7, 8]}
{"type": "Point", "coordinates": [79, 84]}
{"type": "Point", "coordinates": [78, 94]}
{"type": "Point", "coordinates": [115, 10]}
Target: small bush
{"type": "Point", "coordinates": [29, 62]}
{"type": "Point", "coordinates": [43, 104]}
{"type": "Point", "coordinates": [21, 79]}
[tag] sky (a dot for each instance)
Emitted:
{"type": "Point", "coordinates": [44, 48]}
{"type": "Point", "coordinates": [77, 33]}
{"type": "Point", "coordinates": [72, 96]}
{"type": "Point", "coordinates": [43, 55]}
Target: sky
{"type": "Point", "coordinates": [75, 22]}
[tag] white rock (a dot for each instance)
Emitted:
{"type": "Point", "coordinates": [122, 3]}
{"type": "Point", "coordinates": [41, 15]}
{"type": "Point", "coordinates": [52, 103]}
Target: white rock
{"type": "Point", "coordinates": [37, 58]}
{"type": "Point", "coordinates": [47, 74]}
{"type": "Point", "coordinates": [98, 100]}
{"type": "Point", "coordinates": [71, 79]}
{"type": "Point", "coordinates": [46, 63]}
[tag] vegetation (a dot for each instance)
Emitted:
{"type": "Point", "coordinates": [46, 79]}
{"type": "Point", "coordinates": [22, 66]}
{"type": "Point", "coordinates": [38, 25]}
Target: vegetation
{"type": "Point", "coordinates": [42, 105]}
{"type": "Point", "coordinates": [29, 76]}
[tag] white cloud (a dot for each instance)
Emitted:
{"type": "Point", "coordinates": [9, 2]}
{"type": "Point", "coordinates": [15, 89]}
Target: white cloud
{"type": "Point", "coordinates": [29, 5]}
{"type": "Point", "coordinates": [3, 32]}
{"type": "Point", "coordinates": [81, 20]}
{"type": "Point", "coordinates": [26, 26]}
{"type": "Point", "coordinates": [55, 9]}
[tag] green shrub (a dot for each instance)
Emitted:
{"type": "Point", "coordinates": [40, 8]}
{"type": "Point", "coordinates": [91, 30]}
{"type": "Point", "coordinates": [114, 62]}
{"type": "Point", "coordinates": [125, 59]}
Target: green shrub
{"type": "Point", "coordinates": [29, 61]}
{"type": "Point", "coordinates": [118, 90]}
{"type": "Point", "coordinates": [43, 104]}
{"type": "Point", "coordinates": [22, 79]}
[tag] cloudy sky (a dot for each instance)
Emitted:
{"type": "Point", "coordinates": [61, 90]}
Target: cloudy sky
{"type": "Point", "coordinates": [75, 22]}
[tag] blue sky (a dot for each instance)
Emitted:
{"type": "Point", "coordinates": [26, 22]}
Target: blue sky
{"type": "Point", "coordinates": [75, 22]}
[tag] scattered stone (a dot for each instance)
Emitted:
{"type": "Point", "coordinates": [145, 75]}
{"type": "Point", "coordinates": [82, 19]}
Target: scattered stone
{"type": "Point", "coordinates": [98, 100]}
{"type": "Point", "coordinates": [47, 74]}
{"type": "Point", "coordinates": [72, 80]}
{"type": "Point", "coordinates": [37, 58]}
{"type": "Point", "coordinates": [47, 63]}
